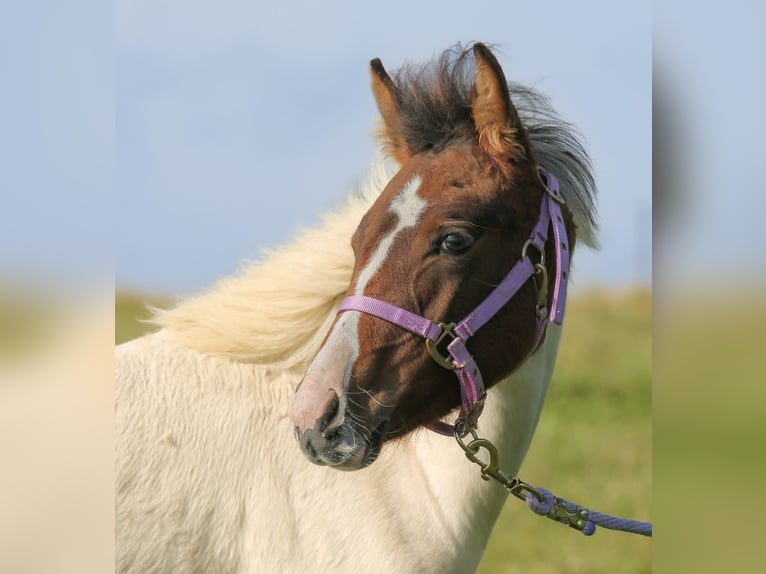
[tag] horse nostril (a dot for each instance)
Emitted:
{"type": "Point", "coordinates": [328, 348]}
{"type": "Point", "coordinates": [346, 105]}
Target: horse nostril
{"type": "Point", "coordinates": [333, 410]}
{"type": "Point", "coordinates": [329, 421]}
{"type": "Point", "coordinates": [309, 448]}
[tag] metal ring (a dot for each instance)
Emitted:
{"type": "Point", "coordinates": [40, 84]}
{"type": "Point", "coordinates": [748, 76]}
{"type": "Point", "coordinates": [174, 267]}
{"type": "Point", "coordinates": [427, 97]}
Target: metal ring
{"type": "Point", "coordinates": [557, 197]}
{"type": "Point", "coordinates": [526, 246]}
{"type": "Point", "coordinates": [433, 346]}
{"type": "Point", "coordinates": [518, 490]}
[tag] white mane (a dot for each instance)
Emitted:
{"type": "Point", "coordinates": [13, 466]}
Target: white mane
{"type": "Point", "coordinates": [277, 311]}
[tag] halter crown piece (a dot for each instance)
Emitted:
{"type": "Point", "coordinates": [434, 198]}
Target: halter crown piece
{"type": "Point", "coordinates": [460, 360]}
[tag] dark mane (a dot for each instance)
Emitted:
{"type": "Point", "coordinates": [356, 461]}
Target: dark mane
{"type": "Point", "coordinates": [434, 100]}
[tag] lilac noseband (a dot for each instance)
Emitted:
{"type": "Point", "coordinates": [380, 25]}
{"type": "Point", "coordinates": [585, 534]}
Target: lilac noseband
{"type": "Point", "coordinates": [460, 360]}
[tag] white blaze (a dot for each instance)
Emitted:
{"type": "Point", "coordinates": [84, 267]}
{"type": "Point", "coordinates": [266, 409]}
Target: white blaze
{"type": "Point", "coordinates": [335, 359]}
{"type": "Point", "coordinates": [408, 207]}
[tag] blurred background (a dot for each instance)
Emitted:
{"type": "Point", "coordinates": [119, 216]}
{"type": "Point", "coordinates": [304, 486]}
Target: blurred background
{"type": "Point", "coordinates": [236, 125]}
{"type": "Point", "coordinates": [153, 147]}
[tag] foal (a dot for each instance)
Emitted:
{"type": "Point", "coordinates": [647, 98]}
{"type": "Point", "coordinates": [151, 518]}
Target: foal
{"type": "Point", "coordinates": [209, 478]}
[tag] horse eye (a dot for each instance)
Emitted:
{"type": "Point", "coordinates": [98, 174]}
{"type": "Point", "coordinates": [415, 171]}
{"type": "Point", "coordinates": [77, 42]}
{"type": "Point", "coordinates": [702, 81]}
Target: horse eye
{"type": "Point", "coordinates": [456, 242]}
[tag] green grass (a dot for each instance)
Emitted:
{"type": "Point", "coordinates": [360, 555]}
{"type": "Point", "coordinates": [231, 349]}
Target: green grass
{"type": "Point", "coordinates": [28, 320]}
{"type": "Point", "coordinates": [592, 446]}
{"type": "Point", "coordinates": [131, 312]}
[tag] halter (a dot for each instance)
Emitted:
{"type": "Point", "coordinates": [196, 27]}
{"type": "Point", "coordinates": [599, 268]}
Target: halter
{"type": "Point", "coordinates": [473, 394]}
{"type": "Point", "coordinates": [456, 335]}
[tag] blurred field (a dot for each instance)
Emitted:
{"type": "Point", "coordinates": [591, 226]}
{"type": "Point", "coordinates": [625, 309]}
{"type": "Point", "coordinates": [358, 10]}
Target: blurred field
{"type": "Point", "coordinates": [56, 408]}
{"type": "Point", "coordinates": [593, 444]}
{"type": "Point", "coordinates": [130, 314]}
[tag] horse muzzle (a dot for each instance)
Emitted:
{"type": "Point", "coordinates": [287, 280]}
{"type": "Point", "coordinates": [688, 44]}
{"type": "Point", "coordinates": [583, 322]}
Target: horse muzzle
{"type": "Point", "coordinates": [334, 440]}
{"type": "Point", "coordinates": [328, 432]}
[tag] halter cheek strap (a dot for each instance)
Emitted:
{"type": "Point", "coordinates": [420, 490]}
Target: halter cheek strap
{"type": "Point", "coordinates": [459, 360]}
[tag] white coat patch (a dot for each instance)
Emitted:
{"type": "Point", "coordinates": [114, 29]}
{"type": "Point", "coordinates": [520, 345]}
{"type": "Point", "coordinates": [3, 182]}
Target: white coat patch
{"type": "Point", "coordinates": [407, 206]}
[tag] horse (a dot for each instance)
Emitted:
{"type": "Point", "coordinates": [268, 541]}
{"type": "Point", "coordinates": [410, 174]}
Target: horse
{"type": "Point", "coordinates": [234, 419]}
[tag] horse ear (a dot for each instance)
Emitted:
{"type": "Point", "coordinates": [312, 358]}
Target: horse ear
{"type": "Point", "coordinates": [497, 122]}
{"type": "Point", "coordinates": [391, 132]}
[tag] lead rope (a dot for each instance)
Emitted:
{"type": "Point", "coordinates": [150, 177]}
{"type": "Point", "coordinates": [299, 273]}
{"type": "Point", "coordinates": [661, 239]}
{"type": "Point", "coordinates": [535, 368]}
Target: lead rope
{"type": "Point", "coordinates": [540, 500]}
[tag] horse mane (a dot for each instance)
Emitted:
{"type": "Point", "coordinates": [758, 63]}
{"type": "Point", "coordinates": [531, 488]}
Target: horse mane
{"type": "Point", "coordinates": [276, 312]}
{"type": "Point", "coordinates": [434, 100]}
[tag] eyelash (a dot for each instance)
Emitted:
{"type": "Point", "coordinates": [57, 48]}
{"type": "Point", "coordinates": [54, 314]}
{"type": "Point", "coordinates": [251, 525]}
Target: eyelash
{"type": "Point", "coordinates": [464, 239]}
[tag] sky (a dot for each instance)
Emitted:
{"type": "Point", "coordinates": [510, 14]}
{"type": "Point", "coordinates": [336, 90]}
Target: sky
{"type": "Point", "coordinates": [158, 145]}
{"type": "Point", "coordinates": [237, 123]}
{"type": "Point", "coordinates": [56, 143]}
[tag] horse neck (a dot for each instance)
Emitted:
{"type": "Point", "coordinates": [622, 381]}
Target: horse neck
{"type": "Point", "coordinates": [469, 505]}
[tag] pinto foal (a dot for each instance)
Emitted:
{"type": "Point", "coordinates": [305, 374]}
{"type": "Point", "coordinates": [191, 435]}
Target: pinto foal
{"type": "Point", "coordinates": [209, 478]}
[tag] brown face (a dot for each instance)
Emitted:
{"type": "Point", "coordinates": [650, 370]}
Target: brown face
{"type": "Point", "coordinates": [443, 233]}
{"type": "Point", "coordinates": [447, 229]}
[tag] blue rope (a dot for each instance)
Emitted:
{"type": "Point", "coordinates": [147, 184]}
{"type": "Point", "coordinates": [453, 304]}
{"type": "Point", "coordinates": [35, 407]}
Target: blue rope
{"type": "Point", "coordinates": [569, 513]}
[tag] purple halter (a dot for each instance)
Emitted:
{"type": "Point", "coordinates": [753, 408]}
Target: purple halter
{"type": "Point", "coordinates": [460, 360]}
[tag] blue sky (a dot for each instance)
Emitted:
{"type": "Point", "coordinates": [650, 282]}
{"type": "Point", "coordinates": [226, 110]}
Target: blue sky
{"type": "Point", "coordinates": [159, 144]}
{"type": "Point", "coordinates": [239, 122]}
{"type": "Point", "coordinates": [56, 142]}
{"type": "Point", "coordinates": [168, 141]}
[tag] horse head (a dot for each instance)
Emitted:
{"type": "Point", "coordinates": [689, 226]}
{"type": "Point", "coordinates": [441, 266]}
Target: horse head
{"type": "Point", "coordinates": [443, 233]}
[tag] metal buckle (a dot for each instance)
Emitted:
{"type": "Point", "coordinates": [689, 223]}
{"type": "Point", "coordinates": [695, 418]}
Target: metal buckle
{"type": "Point", "coordinates": [540, 271]}
{"type": "Point", "coordinates": [569, 513]}
{"type": "Point", "coordinates": [542, 285]}
{"type": "Point", "coordinates": [555, 195]}
{"type": "Point", "coordinates": [527, 244]}
{"type": "Point", "coordinates": [491, 468]}
{"type": "Point", "coordinates": [433, 346]}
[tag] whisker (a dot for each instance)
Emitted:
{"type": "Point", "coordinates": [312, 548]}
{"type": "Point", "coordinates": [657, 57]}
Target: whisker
{"type": "Point", "coordinates": [379, 403]}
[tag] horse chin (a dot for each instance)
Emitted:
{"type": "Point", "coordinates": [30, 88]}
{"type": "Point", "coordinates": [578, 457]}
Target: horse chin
{"type": "Point", "coordinates": [362, 458]}
{"type": "Point", "coordinates": [368, 451]}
